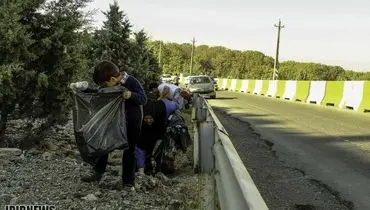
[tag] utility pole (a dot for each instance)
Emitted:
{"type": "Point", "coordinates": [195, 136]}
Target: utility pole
{"type": "Point", "coordinates": [276, 63]}
{"type": "Point", "coordinates": [192, 56]}
{"type": "Point", "coordinates": [160, 54]}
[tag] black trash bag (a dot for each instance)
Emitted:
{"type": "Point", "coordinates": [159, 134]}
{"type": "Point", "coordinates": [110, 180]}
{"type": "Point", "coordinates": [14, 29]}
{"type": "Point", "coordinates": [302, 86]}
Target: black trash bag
{"type": "Point", "coordinates": [165, 150]}
{"type": "Point", "coordinates": [178, 131]}
{"type": "Point", "coordinates": [99, 122]}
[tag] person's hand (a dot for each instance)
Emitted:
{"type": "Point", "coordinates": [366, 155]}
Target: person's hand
{"type": "Point", "coordinates": [126, 94]}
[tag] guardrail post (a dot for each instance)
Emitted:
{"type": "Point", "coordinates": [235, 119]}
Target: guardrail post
{"type": "Point", "coordinates": [204, 161]}
{"type": "Point", "coordinates": [206, 129]}
{"type": "Point", "coordinates": [196, 107]}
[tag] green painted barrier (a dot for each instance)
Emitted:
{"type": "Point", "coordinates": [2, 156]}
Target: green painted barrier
{"type": "Point", "coordinates": [238, 85]}
{"type": "Point", "coordinates": [265, 87]}
{"type": "Point", "coordinates": [333, 93]}
{"type": "Point", "coordinates": [280, 88]}
{"type": "Point", "coordinates": [251, 85]}
{"type": "Point", "coordinates": [365, 103]}
{"type": "Point", "coordinates": [303, 89]}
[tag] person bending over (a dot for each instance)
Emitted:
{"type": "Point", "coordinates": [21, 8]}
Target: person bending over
{"type": "Point", "coordinates": [107, 74]}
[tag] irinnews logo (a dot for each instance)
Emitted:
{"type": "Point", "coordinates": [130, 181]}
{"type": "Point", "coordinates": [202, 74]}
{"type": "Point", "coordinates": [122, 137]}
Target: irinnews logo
{"type": "Point", "coordinates": [30, 207]}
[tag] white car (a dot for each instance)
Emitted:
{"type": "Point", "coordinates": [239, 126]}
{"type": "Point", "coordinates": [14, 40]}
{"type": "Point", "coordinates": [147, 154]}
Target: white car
{"type": "Point", "coordinates": [187, 79]}
{"type": "Point", "coordinates": [203, 85]}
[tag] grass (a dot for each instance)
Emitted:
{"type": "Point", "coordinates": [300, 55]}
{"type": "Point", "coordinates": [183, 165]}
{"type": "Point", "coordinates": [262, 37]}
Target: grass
{"type": "Point", "coordinates": [186, 113]}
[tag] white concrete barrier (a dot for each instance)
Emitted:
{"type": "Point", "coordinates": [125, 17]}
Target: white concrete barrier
{"type": "Point", "coordinates": [244, 87]}
{"type": "Point", "coordinates": [224, 84]}
{"type": "Point", "coordinates": [317, 92]}
{"type": "Point", "coordinates": [258, 87]}
{"type": "Point", "coordinates": [271, 91]}
{"type": "Point", "coordinates": [352, 94]}
{"type": "Point", "coordinates": [233, 85]}
{"type": "Point", "coordinates": [290, 89]}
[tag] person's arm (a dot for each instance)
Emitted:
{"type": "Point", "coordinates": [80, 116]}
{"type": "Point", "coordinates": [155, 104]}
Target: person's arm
{"type": "Point", "coordinates": [138, 93]}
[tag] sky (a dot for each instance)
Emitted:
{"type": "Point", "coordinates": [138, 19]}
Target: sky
{"type": "Point", "coordinates": [334, 32]}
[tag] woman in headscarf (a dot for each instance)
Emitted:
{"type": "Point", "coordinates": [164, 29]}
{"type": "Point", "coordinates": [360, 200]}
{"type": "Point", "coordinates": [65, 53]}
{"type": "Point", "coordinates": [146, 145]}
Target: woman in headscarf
{"type": "Point", "coordinates": [166, 96]}
{"type": "Point", "coordinates": [153, 128]}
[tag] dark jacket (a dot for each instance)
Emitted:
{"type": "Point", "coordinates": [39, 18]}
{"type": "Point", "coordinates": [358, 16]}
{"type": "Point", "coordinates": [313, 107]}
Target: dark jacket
{"type": "Point", "coordinates": [150, 134]}
{"type": "Point", "coordinates": [134, 105]}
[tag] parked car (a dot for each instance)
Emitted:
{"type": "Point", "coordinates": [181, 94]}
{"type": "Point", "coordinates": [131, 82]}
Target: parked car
{"type": "Point", "coordinates": [187, 79]}
{"type": "Point", "coordinates": [202, 85]}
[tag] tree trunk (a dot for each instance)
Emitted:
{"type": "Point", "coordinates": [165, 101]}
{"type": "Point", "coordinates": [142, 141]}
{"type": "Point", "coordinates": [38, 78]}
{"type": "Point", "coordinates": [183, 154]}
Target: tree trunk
{"type": "Point", "coordinates": [3, 121]}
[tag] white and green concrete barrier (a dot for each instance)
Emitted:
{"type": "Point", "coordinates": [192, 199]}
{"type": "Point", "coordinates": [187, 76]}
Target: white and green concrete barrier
{"type": "Point", "coordinates": [353, 95]}
{"type": "Point", "coordinates": [290, 90]}
{"type": "Point", "coordinates": [316, 92]}
{"type": "Point", "coordinates": [272, 88]}
{"type": "Point", "coordinates": [244, 86]}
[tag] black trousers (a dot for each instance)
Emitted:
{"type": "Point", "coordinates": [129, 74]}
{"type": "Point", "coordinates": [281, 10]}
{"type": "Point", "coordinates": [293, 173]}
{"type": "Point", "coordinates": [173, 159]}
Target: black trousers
{"type": "Point", "coordinates": [128, 159]}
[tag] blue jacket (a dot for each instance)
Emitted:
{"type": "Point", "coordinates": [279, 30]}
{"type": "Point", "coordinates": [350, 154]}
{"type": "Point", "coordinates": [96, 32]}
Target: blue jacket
{"type": "Point", "coordinates": [134, 105]}
{"type": "Point", "coordinates": [171, 107]}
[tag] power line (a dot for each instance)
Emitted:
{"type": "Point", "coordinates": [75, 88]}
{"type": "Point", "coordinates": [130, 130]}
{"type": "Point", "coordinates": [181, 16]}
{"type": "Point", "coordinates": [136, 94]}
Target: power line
{"type": "Point", "coordinates": [276, 63]}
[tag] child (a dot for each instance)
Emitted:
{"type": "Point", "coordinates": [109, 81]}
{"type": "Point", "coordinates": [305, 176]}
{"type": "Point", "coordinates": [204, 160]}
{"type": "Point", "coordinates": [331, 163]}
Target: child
{"type": "Point", "coordinates": [107, 74]}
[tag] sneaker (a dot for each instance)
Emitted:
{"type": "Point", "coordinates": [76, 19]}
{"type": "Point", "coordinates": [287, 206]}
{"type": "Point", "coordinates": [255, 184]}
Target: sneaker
{"type": "Point", "coordinates": [140, 174]}
{"type": "Point", "coordinates": [92, 177]}
{"type": "Point", "coordinates": [141, 171]}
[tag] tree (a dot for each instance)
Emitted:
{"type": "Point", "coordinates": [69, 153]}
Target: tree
{"type": "Point", "coordinates": [47, 53]}
{"type": "Point", "coordinates": [146, 68]}
{"type": "Point", "coordinates": [206, 66]}
{"type": "Point", "coordinates": [112, 40]}
{"type": "Point", "coordinates": [15, 40]}
{"type": "Point", "coordinates": [222, 62]}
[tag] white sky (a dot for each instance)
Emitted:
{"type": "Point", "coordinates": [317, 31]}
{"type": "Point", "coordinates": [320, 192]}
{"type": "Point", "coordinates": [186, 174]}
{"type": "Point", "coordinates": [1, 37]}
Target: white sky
{"type": "Point", "coordinates": [335, 32]}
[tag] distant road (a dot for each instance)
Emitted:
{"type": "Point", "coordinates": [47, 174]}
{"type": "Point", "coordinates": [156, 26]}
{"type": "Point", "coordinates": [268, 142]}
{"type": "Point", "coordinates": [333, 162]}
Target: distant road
{"type": "Point", "coordinates": [331, 145]}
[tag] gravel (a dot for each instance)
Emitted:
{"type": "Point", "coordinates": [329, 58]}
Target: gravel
{"type": "Point", "coordinates": [281, 186]}
{"type": "Point", "coordinates": [51, 176]}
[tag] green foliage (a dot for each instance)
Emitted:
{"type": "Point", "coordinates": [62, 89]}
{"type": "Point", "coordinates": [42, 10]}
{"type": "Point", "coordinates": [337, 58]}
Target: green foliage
{"type": "Point", "coordinates": [41, 53]}
{"type": "Point", "coordinates": [309, 71]}
{"type": "Point", "coordinates": [215, 61]}
{"type": "Point", "coordinates": [145, 66]}
{"type": "Point", "coordinates": [225, 63]}
{"type": "Point", "coordinates": [45, 45]}
{"type": "Point", "coordinates": [112, 42]}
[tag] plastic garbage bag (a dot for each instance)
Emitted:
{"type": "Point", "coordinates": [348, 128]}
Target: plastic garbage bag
{"type": "Point", "coordinates": [99, 121]}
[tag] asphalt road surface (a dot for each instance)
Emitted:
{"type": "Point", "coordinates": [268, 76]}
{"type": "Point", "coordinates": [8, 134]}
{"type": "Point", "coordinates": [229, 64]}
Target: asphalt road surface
{"type": "Point", "coordinates": [328, 145]}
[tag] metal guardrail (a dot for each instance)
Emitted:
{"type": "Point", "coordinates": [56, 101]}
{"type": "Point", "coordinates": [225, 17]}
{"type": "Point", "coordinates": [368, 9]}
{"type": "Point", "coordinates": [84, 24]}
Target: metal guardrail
{"type": "Point", "coordinates": [215, 155]}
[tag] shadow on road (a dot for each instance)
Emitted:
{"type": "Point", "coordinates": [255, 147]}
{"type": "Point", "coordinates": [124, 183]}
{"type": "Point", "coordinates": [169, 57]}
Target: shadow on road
{"type": "Point", "coordinates": [340, 147]}
{"type": "Point", "coordinates": [332, 151]}
{"type": "Point", "coordinates": [224, 98]}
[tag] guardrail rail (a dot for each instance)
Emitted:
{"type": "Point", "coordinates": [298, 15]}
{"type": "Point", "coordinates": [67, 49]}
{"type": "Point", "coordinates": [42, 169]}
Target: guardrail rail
{"type": "Point", "coordinates": [227, 182]}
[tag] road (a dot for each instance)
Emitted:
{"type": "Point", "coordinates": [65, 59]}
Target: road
{"type": "Point", "coordinates": [330, 145]}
